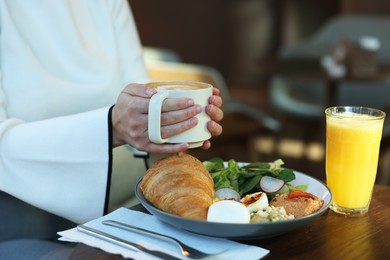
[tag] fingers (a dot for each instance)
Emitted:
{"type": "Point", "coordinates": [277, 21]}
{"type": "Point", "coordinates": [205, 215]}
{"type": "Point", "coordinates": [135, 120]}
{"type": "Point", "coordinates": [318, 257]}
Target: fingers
{"type": "Point", "coordinates": [216, 91]}
{"type": "Point", "coordinates": [176, 116]}
{"type": "Point", "coordinates": [206, 145]}
{"type": "Point", "coordinates": [173, 104]}
{"type": "Point", "coordinates": [174, 129]}
{"type": "Point", "coordinates": [214, 112]}
{"type": "Point", "coordinates": [216, 101]}
{"type": "Point", "coordinates": [140, 90]}
{"type": "Point", "coordinates": [214, 128]}
{"type": "Point", "coordinates": [214, 108]}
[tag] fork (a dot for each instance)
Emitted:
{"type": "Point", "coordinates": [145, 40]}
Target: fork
{"type": "Point", "coordinates": [185, 249]}
{"type": "Point", "coordinates": [122, 242]}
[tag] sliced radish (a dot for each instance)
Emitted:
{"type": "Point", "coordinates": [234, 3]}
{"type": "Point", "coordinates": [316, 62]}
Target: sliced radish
{"type": "Point", "coordinates": [227, 194]}
{"type": "Point", "coordinates": [270, 184]}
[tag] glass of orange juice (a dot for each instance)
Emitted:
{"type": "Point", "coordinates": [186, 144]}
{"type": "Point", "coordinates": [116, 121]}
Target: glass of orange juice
{"type": "Point", "coordinates": [353, 136]}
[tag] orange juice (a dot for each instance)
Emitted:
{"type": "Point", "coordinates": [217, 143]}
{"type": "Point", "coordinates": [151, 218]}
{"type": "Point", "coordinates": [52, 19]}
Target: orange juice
{"type": "Point", "coordinates": [352, 152]}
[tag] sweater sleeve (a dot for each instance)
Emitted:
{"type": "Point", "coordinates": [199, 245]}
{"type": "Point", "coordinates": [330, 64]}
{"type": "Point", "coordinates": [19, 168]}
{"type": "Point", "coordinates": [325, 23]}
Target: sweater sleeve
{"type": "Point", "coordinates": [59, 164]}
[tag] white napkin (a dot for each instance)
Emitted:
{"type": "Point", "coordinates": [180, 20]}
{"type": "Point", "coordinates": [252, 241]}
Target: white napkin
{"type": "Point", "coordinates": [146, 221]}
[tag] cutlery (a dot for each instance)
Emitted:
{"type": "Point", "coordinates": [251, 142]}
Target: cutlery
{"type": "Point", "coordinates": [185, 249]}
{"type": "Point", "coordinates": [122, 242]}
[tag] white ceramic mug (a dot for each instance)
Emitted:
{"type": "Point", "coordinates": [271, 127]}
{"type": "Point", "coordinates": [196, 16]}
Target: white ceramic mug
{"type": "Point", "coordinates": [200, 92]}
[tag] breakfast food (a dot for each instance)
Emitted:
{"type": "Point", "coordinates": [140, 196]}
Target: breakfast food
{"type": "Point", "coordinates": [298, 203]}
{"type": "Point", "coordinates": [180, 185]}
{"type": "Point", "coordinates": [184, 186]}
{"type": "Point", "coordinates": [266, 189]}
{"type": "Point", "coordinates": [228, 211]}
{"type": "Point", "coordinates": [258, 205]}
{"type": "Point", "coordinates": [252, 208]}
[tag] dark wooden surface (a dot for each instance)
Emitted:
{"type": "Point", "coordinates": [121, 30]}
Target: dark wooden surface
{"type": "Point", "coordinates": [334, 236]}
{"type": "Point", "coordinates": [331, 236]}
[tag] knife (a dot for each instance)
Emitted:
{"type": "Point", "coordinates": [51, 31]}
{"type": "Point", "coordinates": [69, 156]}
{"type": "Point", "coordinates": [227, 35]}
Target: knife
{"type": "Point", "coordinates": [124, 243]}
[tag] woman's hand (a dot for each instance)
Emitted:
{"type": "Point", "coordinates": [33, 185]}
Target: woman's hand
{"type": "Point", "coordinates": [130, 119]}
{"type": "Point", "coordinates": [216, 115]}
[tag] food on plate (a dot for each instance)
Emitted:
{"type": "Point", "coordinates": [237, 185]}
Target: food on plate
{"type": "Point", "coordinates": [260, 183]}
{"type": "Point", "coordinates": [298, 203]}
{"type": "Point", "coordinates": [228, 211]}
{"type": "Point", "coordinates": [180, 185]}
{"type": "Point", "coordinates": [270, 184]}
{"type": "Point", "coordinates": [227, 194]}
{"type": "Point", "coordinates": [271, 214]}
{"type": "Point", "coordinates": [245, 178]}
{"type": "Point", "coordinates": [252, 177]}
{"type": "Point", "coordinates": [258, 206]}
{"type": "Point", "coordinates": [252, 208]}
{"type": "Point", "coordinates": [255, 202]}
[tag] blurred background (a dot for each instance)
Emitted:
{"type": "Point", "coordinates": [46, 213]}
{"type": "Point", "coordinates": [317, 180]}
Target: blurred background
{"type": "Point", "coordinates": [278, 64]}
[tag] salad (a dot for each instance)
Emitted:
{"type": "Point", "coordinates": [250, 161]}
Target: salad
{"type": "Point", "coordinates": [268, 177]}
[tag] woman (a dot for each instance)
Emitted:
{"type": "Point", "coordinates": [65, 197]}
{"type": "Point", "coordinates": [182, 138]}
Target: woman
{"type": "Point", "coordinates": [63, 66]}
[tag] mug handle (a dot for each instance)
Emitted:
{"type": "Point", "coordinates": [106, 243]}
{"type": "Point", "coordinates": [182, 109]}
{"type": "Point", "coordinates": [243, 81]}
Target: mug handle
{"type": "Point", "coordinates": [154, 117]}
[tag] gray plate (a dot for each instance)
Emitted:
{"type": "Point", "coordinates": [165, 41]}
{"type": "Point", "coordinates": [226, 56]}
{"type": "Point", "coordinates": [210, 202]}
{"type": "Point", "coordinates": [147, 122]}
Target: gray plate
{"type": "Point", "coordinates": [245, 231]}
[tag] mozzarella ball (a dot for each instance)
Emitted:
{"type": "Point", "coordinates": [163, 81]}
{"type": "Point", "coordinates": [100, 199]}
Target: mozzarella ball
{"type": "Point", "coordinates": [228, 211]}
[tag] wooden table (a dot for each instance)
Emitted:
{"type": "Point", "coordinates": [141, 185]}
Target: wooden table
{"type": "Point", "coordinates": [331, 236]}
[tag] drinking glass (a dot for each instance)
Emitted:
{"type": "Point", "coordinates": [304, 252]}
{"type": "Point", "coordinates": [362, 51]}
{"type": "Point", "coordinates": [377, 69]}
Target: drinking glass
{"type": "Point", "coordinates": [353, 136]}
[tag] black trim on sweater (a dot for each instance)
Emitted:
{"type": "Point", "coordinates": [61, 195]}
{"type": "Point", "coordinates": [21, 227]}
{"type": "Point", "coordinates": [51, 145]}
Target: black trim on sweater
{"type": "Point", "coordinates": [110, 158]}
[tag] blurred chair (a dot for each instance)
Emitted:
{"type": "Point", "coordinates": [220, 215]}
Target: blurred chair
{"type": "Point", "coordinates": [352, 27]}
{"type": "Point", "coordinates": [304, 94]}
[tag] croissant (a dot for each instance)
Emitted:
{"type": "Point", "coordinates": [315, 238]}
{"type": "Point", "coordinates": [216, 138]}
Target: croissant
{"type": "Point", "coordinates": [180, 185]}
